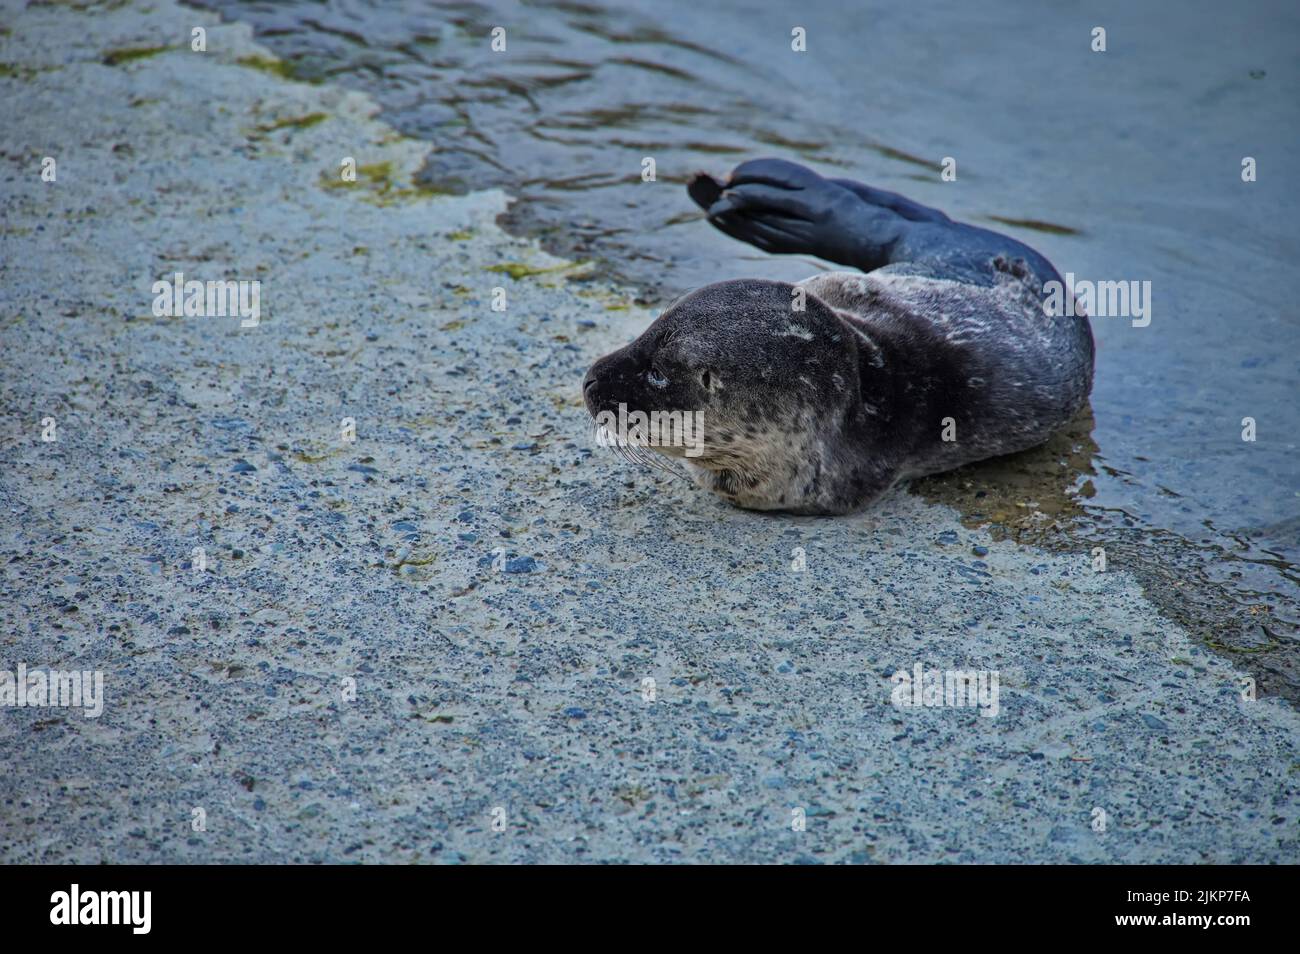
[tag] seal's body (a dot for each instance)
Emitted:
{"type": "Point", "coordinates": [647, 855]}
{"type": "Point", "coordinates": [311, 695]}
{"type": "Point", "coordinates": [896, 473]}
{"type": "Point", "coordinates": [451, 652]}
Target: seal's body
{"type": "Point", "coordinates": [819, 396]}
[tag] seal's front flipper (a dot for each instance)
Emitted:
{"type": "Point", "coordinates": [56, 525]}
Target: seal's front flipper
{"type": "Point", "coordinates": [785, 208]}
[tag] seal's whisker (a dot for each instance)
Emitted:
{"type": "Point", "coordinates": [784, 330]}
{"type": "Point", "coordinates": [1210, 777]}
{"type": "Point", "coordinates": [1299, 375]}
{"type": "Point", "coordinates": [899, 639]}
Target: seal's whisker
{"type": "Point", "coordinates": [656, 461]}
{"type": "Point", "coordinates": [631, 450]}
{"type": "Point", "coordinates": [646, 457]}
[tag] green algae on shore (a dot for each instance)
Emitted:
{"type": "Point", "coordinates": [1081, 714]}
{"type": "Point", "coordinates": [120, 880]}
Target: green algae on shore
{"type": "Point", "coordinates": [281, 68]}
{"type": "Point", "coordinates": [132, 53]}
{"type": "Point", "coordinates": [11, 71]}
{"type": "Point", "coordinates": [518, 270]}
{"type": "Point", "coordinates": [294, 122]}
{"type": "Point", "coordinates": [378, 184]}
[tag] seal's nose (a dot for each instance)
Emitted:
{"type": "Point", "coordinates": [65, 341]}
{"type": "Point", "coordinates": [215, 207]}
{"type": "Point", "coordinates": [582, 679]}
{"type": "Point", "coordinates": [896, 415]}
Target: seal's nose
{"type": "Point", "coordinates": [589, 391]}
{"type": "Point", "coordinates": [603, 381]}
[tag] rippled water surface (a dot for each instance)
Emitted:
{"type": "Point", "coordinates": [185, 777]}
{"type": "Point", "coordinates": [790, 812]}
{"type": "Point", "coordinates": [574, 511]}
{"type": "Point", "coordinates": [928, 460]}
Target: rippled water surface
{"type": "Point", "coordinates": [1122, 165]}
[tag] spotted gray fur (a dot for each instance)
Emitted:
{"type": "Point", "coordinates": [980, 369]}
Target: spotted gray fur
{"type": "Point", "coordinates": [820, 411]}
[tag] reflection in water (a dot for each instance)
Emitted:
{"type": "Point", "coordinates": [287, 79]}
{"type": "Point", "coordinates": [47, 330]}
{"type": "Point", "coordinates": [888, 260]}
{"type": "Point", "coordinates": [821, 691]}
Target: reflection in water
{"type": "Point", "coordinates": [1043, 497]}
{"type": "Point", "coordinates": [1122, 166]}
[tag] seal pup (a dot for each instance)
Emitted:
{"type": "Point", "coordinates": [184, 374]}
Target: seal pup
{"type": "Point", "coordinates": [817, 397]}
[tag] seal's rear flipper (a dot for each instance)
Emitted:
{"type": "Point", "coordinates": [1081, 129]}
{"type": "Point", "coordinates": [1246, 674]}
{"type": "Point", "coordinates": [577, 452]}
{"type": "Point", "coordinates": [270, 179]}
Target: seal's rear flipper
{"type": "Point", "coordinates": [786, 208]}
{"type": "Point", "coordinates": [704, 189]}
{"type": "Point", "coordinates": [783, 207]}
{"type": "Point", "coordinates": [912, 211]}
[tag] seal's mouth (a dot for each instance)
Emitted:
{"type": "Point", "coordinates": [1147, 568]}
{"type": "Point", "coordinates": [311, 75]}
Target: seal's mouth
{"type": "Point", "coordinates": [632, 449]}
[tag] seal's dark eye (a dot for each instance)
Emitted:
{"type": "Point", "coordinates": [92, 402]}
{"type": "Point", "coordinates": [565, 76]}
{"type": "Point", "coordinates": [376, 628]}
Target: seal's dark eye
{"type": "Point", "coordinates": [656, 377]}
{"type": "Point", "coordinates": [706, 379]}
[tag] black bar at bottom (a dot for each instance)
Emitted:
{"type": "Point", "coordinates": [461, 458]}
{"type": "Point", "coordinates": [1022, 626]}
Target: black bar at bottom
{"type": "Point", "coordinates": [333, 904]}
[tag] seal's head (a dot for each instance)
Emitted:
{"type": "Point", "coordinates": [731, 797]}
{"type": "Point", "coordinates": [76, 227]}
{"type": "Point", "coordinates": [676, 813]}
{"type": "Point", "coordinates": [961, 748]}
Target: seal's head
{"type": "Point", "coordinates": [769, 371]}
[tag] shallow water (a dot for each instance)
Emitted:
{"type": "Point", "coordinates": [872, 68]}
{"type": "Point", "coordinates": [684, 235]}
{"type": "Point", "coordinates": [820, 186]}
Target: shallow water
{"type": "Point", "coordinates": [1122, 165]}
